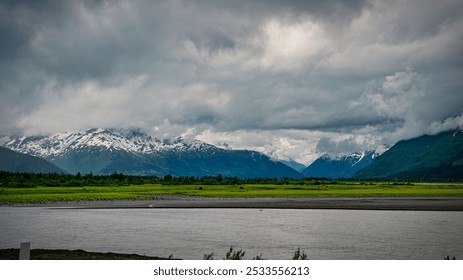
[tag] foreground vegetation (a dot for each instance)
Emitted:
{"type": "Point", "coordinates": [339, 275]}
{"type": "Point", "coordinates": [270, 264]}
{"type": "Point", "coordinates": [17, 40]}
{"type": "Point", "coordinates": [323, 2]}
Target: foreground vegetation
{"type": "Point", "coordinates": [39, 188]}
{"type": "Point", "coordinates": [54, 254]}
{"type": "Point", "coordinates": [59, 254]}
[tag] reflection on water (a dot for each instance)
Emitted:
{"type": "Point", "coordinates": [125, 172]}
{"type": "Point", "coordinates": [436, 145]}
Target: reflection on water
{"type": "Point", "coordinates": [274, 233]}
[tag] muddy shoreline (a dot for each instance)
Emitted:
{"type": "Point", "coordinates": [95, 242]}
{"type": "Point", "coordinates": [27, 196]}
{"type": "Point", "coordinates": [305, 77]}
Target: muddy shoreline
{"type": "Point", "coordinates": [60, 254]}
{"type": "Point", "coordinates": [354, 203]}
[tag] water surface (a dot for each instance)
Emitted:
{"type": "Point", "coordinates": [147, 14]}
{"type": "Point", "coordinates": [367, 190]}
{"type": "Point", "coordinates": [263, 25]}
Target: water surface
{"type": "Point", "coordinates": [274, 233]}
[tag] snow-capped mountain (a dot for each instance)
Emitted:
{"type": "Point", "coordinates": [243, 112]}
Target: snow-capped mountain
{"type": "Point", "coordinates": [105, 139]}
{"type": "Point", "coordinates": [106, 151]}
{"type": "Point", "coordinates": [340, 166]}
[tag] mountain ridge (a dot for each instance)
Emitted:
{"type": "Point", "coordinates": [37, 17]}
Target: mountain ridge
{"type": "Point", "coordinates": [133, 152]}
{"type": "Point", "coordinates": [105, 151]}
{"type": "Point", "coordinates": [137, 142]}
{"type": "Point", "coordinates": [12, 161]}
{"type": "Point", "coordinates": [438, 156]}
{"type": "Point", "coordinates": [339, 166]}
{"type": "Point", "coordinates": [293, 164]}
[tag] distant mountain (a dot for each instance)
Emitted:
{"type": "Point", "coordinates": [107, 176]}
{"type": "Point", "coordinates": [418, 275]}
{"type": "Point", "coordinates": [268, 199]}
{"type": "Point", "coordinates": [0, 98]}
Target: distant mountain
{"type": "Point", "coordinates": [12, 161]}
{"type": "Point", "coordinates": [427, 157]}
{"type": "Point", "coordinates": [294, 165]}
{"type": "Point", "coordinates": [341, 166]}
{"type": "Point", "coordinates": [106, 151]}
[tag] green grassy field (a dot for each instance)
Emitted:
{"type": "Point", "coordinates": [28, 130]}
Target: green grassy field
{"type": "Point", "coordinates": [141, 192]}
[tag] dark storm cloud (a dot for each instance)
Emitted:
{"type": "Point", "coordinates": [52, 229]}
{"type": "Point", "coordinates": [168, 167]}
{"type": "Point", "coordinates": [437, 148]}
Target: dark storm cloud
{"type": "Point", "coordinates": [15, 37]}
{"type": "Point", "coordinates": [364, 71]}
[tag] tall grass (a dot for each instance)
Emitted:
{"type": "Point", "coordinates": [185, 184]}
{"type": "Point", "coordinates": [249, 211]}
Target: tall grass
{"type": "Point", "coordinates": [150, 191]}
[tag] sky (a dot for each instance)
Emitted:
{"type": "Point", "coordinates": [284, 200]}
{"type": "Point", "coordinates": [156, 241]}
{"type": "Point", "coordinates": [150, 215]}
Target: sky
{"type": "Point", "coordinates": [291, 79]}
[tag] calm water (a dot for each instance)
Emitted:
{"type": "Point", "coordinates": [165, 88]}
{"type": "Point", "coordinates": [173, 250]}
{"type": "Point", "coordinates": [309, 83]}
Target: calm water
{"type": "Point", "coordinates": [276, 234]}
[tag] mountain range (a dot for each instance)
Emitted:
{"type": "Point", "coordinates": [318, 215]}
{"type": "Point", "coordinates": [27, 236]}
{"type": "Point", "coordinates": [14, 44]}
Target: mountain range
{"type": "Point", "coordinates": [108, 151]}
{"type": "Point", "coordinates": [132, 152]}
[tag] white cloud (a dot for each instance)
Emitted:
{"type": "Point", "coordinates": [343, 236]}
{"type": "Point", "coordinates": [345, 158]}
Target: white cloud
{"type": "Point", "coordinates": [397, 94]}
{"type": "Point", "coordinates": [299, 145]}
{"type": "Point", "coordinates": [278, 45]}
{"type": "Point", "coordinates": [289, 46]}
{"type": "Point", "coordinates": [397, 34]}
{"type": "Point", "coordinates": [81, 106]}
{"type": "Point", "coordinates": [447, 124]}
{"type": "Point", "coordinates": [283, 144]}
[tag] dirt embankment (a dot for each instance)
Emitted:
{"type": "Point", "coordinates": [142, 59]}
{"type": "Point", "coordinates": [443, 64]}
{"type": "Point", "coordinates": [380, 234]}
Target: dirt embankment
{"type": "Point", "coordinates": [46, 254]}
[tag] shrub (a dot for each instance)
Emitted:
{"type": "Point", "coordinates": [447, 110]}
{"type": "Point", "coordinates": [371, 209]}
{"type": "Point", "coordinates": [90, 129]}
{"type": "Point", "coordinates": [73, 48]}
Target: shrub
{"type": "Point", "coordinates": [208, 257]}
{"type": "Point", "coordinates": [299, 256]}
{"type": "Point", "coordinates": [234, 255]}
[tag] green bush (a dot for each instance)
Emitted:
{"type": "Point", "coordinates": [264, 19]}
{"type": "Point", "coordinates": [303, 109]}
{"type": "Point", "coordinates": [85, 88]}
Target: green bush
{"type": "Point", "coordinates": [298, 255]}
{"type": "Point", "coordinates": [234, 255]}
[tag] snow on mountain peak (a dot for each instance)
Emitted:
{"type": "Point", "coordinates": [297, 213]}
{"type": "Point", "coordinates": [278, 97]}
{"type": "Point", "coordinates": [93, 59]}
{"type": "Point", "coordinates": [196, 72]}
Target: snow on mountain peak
{"type": "Point", "coordinates": [343, 156]}
{"type": "Point", "coordinates": [133, 141]}
{"type": "Point", "coordinates": [351, 159]}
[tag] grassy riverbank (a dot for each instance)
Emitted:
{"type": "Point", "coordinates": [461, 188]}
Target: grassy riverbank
{"type": "Point", "coordinates": [42, 194]}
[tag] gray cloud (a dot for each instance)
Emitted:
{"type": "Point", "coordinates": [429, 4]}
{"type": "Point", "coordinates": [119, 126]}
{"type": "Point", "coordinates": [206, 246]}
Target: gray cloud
{"type": "Point", "coordinates": [327, 144]}
{"type": "Point", "coordinates": [348, 73]}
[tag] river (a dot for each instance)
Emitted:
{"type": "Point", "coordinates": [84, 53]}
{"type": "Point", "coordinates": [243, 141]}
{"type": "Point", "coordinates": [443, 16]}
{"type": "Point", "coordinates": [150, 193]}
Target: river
{"type": "Point", "coordinates": [272, 233]}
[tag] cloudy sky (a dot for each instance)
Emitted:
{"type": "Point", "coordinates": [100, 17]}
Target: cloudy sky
{"type": "Point", "coordinates": [293, 79]}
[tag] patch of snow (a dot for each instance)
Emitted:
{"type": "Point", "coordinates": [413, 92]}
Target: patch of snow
{"type": "Point", "coordinates": [359, 158]}
{"type": "Point", "coordinates": [120, 140]}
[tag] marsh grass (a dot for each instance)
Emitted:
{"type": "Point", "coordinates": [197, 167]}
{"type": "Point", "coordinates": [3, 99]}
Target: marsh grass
{"type": "Point", "coordinates": [42, 194]}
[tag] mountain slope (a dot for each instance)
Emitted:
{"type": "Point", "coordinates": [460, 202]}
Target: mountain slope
{"type": "Point", "coordinates": [12, 161]}
{"type": "Point", "coordinates": [294, 165]}
{"type": "Point", "coordinates": [344, 166]}
{"type": "Point", "coordinates": [106, 151]}
{"type": "Point", "coordinates": [425, 157]}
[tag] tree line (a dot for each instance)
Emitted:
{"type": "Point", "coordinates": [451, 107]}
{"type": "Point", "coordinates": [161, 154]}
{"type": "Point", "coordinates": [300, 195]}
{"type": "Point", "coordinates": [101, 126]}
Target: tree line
{"type": "Point", "coordinates": [26, 180]}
